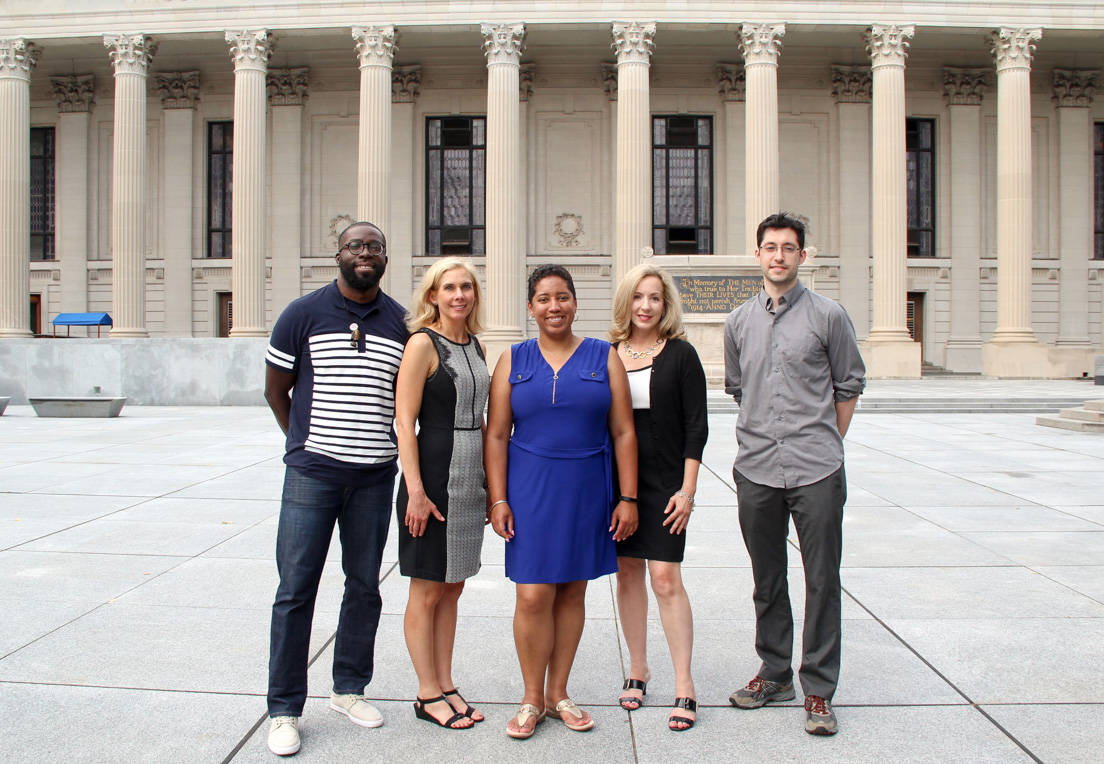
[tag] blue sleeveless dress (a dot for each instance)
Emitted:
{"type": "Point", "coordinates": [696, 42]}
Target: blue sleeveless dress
{"type": "Point", "coordinates": [560, 480]}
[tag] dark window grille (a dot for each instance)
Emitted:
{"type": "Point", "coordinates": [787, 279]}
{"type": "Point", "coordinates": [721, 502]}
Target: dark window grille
{"type": "Point", "coordinates": [920, 169]}
{"type": "Point", "coordinates": [43, 203]}
{"type": "Point", "coordinates": [220, 187]}
{"type": "Point", "coordinates": [682, 185]}
{"type": "Point", "coordinates": [456, 161]}
{"type": "Point", "coordinates": [1098, 191]}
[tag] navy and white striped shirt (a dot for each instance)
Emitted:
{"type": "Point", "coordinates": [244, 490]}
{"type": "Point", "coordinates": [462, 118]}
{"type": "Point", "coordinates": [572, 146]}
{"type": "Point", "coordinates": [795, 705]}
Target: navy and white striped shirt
{"type": "Point", "coordinates": [343, 401]}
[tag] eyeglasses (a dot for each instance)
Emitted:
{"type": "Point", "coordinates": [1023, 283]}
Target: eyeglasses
{"type": "Point", "coordinates": [356, 246]}
{"type": "Point", "coordinates": [770, 249]}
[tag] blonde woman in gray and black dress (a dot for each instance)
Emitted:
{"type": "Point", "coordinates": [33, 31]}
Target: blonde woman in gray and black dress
{"type": "Point", "coordinates": [669, 408]}
{"type": "Point", "coordinates": [442, 505]}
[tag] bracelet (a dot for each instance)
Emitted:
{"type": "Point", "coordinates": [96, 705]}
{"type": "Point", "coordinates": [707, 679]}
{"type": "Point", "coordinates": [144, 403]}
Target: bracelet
{"type": "Point", "coordinates": [500, 501]}
{"type": "Point", "coordinates": [630, 499]}
{"type": "Point", "coordinates": [688, 496]}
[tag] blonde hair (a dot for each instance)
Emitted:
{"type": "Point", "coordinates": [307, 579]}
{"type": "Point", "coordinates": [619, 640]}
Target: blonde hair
{"type": "Point", "coordinates": [423, 313]}
{"type": "Point", "coordinates": [670, 325]}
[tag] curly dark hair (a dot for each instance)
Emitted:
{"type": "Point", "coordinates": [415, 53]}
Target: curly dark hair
{"type": "Point", "coordinates": [546, 270]}
{"type": "Point", "coordinates": [781, 220]}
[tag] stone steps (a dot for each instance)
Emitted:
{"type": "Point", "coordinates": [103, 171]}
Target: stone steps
{"type": "Point", "coordinates": [1089, 418]}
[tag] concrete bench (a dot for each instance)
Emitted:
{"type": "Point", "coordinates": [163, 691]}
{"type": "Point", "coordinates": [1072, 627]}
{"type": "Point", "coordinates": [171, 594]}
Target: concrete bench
{"type": "Point", "coordinates": [4, 404]}
{"type": "Point", "coordinates": [85, 407]}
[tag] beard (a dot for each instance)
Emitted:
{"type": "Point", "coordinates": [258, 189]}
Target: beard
{"type": "Point", "coordinates": [361, 283]}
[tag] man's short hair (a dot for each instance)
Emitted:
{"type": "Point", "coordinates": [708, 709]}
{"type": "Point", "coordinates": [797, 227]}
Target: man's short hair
{"type": "Point", "coordinates": [780, 220]}
{"type": "Point", "coordinates": [358, 223]}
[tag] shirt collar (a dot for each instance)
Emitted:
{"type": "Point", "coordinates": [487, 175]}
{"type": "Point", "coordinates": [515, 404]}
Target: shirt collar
{"type": "Point", "coordinates": [361, 309]}
{"type": "Point", "coordinates": [789, 298]}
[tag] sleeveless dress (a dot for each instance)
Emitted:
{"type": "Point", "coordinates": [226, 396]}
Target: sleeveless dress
{"type": "Point", "coordinates": [559, 480]}
{"type": "Point", "coordinates": [450, 455]}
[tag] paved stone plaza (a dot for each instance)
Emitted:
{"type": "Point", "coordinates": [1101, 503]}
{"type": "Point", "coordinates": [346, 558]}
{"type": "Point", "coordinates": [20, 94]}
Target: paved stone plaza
{"type": "Point", "coordinates": [137, 572]}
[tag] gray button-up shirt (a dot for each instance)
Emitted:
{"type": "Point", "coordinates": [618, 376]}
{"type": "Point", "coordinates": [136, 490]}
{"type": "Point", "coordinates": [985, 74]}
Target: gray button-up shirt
{"type": "Point", "coordinates": [786, 365]}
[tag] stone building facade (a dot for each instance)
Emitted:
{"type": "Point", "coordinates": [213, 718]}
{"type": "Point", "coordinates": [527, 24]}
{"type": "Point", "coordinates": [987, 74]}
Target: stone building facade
{"type": "Point", "coordinates": [186, 165]}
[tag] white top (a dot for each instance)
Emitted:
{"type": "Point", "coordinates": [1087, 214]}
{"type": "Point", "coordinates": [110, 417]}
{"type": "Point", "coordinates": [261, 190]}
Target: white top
{"type": "Point", "coordinates": [640, 382]}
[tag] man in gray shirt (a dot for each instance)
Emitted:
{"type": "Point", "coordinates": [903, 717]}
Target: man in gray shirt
{"type": "Point", "coordinates": [793, 365]}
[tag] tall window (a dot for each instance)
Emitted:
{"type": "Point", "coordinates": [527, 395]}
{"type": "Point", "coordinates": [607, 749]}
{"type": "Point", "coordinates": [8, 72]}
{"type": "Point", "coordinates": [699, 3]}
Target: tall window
{"type": "Point", "coordinates": [42, 193]}
{"type": "Point", "coordinates": [1098, 189]}
{"type": "Point", "coordinates": [455, 184]}
{"type": "Point", "coordinates": [682, 185]}
{"type": "Point", "coordinates": [220, 187]}
{"type": "Point", "coordinates": [920, 167]}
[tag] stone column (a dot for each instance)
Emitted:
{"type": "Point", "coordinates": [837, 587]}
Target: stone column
{"type": "Point", "coordinates": [892, 353]}
{"type": "Point", "coordinates": [179, 93]}
{"type": "Point", "coordinates": [131, 55]}
{"type": "Point", "coordinates": [376, 47]}
{"type": "Point", "coordinates": [633, 43]}
{"type": "Point", "coordinates": [75, 98]}
{"type": "Point", "coordinates": [503, 45]}
{"type": "Point", "coordinates": [964, 89]}
{"type": "Point", "coordinates": [250, 51]}
{"type": "Point", "coordinates": [18, 58]}
{"type": "Point", "coordinates": [405, 84]}
{"type": "Point", "coordinates": [287, 92]}
{"type": "Point", "coordinates": [851, 88]}
{"type": "Point", "coordinates": [732, 83]}
{"type": "Point", "coordinates": [1073, 95]}
{"type": "Point", "coordinates": [760, 45]}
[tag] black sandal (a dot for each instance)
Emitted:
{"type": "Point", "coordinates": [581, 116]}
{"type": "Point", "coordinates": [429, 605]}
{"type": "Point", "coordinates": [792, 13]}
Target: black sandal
{"type": "Point", "coordinates": [628, 702]}
{"type": "Point", "coordinates": [690, 705]}
{"type": "Point", "coordinates": [421, 713]}
{"type": "Point", "coordinates": [471, 709]}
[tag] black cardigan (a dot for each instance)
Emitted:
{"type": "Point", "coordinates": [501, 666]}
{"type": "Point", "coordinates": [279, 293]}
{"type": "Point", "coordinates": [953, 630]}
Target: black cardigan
{"type": "Point", "coordinates": [680, 421]}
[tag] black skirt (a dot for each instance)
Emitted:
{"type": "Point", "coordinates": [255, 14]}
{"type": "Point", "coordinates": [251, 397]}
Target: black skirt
{"type": "Point", "coordinates": [652, 540]}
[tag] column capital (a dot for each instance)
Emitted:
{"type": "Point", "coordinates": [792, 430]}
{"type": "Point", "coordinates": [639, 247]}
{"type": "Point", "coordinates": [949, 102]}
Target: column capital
{"type": "Point", "coordinates": [503, 43]}
{"type": "Point", "coordinates": [888, 44]}
{"type": "Point", "coordinates": [178, 90]}
{"type": "Point", "coordinates": [405, 84]}
{"type": "Point", "coordinates": [633, 42]}
{"type": "Point", "coordinates": [18, 58]}
{"type": "Point", "coordinates": [761, 43]}
{"type": "Point", "coordinates": [964, 87]}
{"type": "Point", "coordinates": [526, 77]}
{"type": "Point", "coordinates": [130, 53]}
{"type": "Point", "coordinates": [74, 94]}
{"type": "Point", "coordinates": [1013, 48]}
{"type": "Point", "coordinates": [852, 83]}
{"type": "Point", "coordinates": [1075, 87]}
{"type": "Point", "coordinates": [732, 82]}
{"type": "Point", "coordinates": [376, 45]}
{"type": "Point", "coordinates": [287, 87]}
{"type": "Point", "coordinates": [609, 80]}
{"type": "Point", "coordinates": [250, 49]}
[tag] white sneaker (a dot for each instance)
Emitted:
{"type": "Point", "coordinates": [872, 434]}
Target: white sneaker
{"type": "Point", "coordinates": [283, 735]}
{"type": "Point", "coordinates": [357, 708]}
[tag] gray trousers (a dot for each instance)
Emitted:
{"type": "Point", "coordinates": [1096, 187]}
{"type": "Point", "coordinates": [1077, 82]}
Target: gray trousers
{"type": "Point", "coordinates": [817, 512]}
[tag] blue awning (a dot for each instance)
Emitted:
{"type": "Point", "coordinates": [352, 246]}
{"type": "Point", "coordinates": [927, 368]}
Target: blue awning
{"type": "Point", "coordinates": [82, 319]}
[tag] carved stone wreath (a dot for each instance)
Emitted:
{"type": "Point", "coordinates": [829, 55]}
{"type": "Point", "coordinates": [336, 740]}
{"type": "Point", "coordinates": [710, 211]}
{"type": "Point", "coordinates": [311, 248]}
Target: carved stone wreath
{"type": "Point", "coordinates": [337, 225]}
{"type": "Point", "coordinates": [569, 227]}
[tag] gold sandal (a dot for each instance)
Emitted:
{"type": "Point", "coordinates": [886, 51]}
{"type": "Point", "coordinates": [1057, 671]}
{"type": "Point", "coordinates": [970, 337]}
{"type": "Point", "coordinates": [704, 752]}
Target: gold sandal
{"type": "Point", "coordinates": [528, 712]}
{"type": "Point", "coordinates": [576, 715]}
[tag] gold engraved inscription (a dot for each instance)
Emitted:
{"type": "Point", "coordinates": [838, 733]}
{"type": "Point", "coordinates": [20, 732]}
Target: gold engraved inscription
{"type": "Point", "coordinates": [716, 294]}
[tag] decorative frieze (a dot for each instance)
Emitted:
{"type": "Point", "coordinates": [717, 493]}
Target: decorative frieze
{"type": "Point", "coordinates": [609, 80]}
{"type": "Point", "coordinates": [633, 42]}
{"type": "Point", "coordinates": [964, 87]}
{"type": "Point", "coordinates": [178, 90]}
{"type": "Point", "coordinates": [732, 82]}
{"type": "Point", "coordinates": [406, 82]}
{"type": "Point", "coordinates": [503, 43]}
{"type": "Point", "coordinates": [130, 53]}
{"type": "Point", "coordinates": [568, 229]}
{"type": "Point", "coordinates": [376, 45]}
{"type": "Point", "coordinates": [761, 43]}
{"type": "Point", "coordinates": [888, 44]}
{"type": "Point", "coordinates": [851, 84]}
{"type": "Point", "coordinates": [1014, 48]}
{"type": "Point", "coordinates": [251, 49]}
{"type": "Point", "coordinates": [18, 58]}
{"type": "Point", "coordinates": [287, 87]}
{"type": "Point", "coordinates": [1075, 87]}
{"type": "Point", "coordinates": [74, 94]}
{"type": "Point", "coordinates": [526, 76]}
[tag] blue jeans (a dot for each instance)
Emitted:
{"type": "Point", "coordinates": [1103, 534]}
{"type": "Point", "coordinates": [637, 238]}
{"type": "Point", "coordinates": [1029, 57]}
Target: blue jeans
{"type": "Point", "coordinates": [307, 515]}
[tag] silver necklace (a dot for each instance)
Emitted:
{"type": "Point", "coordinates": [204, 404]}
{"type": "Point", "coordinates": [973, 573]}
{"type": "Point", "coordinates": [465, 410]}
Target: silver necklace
{"type": "Point", "coordinates": [643, 353]}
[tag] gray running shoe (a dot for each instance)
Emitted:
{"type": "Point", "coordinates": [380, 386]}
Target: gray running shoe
{"type": "Point", "coordinates": [820, 719]}
{"type": "Point", "coordinates": [760, 692]}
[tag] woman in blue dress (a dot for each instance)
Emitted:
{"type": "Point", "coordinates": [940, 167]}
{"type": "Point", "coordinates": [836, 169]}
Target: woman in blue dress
{"type": "Point", "coordinates": [565, 399]}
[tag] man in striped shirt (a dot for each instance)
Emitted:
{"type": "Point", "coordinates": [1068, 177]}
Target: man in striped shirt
{"type": "Point", "coordinates": [331, 367]}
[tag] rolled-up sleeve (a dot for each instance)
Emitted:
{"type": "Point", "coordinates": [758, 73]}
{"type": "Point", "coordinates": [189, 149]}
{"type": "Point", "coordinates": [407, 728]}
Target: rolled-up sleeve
{"type": "Point", "coordinates": [733, 377]}
{"type": "Point", "coordinates": [848, 369]}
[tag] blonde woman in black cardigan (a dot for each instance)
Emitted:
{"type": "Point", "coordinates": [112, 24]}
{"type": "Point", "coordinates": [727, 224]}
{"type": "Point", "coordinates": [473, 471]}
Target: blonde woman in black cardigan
{"type": "Point", "coordinates": [668, 395]}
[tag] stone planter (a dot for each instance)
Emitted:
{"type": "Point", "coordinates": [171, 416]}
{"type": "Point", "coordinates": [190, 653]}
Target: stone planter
{"type": "Point", "coordinates": [78, 407]}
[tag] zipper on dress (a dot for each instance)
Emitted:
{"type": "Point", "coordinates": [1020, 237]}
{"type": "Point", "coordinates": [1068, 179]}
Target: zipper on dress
{"type": "Point", "coordinates": [555, 376]}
